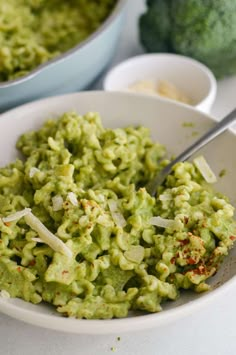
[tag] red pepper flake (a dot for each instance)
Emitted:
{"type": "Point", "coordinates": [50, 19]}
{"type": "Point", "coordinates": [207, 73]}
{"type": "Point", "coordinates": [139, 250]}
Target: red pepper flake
{"type": "Point", "coordinates": [196, 271]}
{"type": "Point", "coordinates": [201, 270]}
{"type": "Point", "coordinates": [191, 261]}
{"type": "Point", "coordinates": [65, 272]}
{"type": "Point", "coordinates": [186, 219]}
{"type": "Point", "coordinates": [184, 242]}
{"type": "Point", "coordinates": [232, 237]}
{"type": "Point", "coordinates": [18, 268]}
{"type": "Point", "coordinates": [172, 260]}
{"type": "Point", "coordinates": [32, 263]}
{"type": "Point", "coordinates": [7, 224]}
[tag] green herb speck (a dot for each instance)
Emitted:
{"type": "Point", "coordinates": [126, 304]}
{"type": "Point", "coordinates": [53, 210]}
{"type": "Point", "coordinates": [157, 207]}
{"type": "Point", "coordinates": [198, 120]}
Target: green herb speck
{"type": "Point", "coordinates": [188, 124]}
{"type": "Point", "coordinates": [222, 173]}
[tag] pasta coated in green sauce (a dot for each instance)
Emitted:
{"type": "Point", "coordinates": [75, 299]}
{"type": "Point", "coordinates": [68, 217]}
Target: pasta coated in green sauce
{"type": "Point", "coordinates": [85, 184]}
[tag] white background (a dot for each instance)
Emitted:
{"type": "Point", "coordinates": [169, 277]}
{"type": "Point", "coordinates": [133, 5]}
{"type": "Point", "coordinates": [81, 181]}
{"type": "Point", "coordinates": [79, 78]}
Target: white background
{"type": "Point", "coordinates": [211, 331]}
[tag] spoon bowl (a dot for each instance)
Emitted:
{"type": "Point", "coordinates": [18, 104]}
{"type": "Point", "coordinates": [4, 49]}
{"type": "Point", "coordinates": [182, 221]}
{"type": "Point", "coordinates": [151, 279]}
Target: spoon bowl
{"type": "Point", "coordinates": [214, 132]}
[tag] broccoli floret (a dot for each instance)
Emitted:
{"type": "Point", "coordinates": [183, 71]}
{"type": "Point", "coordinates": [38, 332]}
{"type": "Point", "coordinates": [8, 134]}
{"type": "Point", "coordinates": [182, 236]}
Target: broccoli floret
{"type": "Point", "coordinates": [202, 29]}
{"type": "Point", "coordinates": [156, 24]}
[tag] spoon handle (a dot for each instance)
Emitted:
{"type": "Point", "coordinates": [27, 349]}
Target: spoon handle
{"type": "Point", "coordinates": [219, 128]}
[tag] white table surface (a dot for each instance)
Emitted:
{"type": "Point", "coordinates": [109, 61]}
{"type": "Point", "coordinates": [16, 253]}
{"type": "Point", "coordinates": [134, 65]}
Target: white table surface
{"type": "Point", "coordinates": [212, 331]}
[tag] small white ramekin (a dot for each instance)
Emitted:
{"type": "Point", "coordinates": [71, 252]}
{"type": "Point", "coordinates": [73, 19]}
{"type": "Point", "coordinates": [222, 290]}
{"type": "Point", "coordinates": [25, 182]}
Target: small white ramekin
{"type": "Point", "coordinates": [188, 75]}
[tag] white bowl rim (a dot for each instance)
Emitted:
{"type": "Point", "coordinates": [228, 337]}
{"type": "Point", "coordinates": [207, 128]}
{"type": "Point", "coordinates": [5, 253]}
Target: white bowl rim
{"type": "Point", "coordinates": [121, 325]}
{"type": "Point", "coordinates": [204, 69]}
{"type": "Point", "coordinates": [138, 323]}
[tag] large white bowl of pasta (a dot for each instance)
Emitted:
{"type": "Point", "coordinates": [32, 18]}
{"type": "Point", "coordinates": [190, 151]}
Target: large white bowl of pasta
{"type": "Point", "coordinates": [83, 247]}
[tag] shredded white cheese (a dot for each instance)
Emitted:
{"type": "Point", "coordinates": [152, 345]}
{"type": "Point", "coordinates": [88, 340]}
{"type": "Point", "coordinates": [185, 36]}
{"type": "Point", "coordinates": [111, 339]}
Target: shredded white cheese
{"type": "Point", "coordinates": [16, 216]}
{"type": "Point", "coordinates": [135, 253]}
{"type": "Point", "coordinates": [162, 88]}
{"type": "Point", "coordinates": [72, 198]}
{"type": "Point", "coordinates": [33, 171]}
{"type": "Point", "coordinates": [204, 169]}
{"type": "Point", "coordinates": [38, 240]}
{"type": "Point", "coordinates": [112, 205]}
{"type": "Point", "coordinates": [165, 197]}
{"type": "Point", "coordinates": [162, 222]}
{"type": "Point", "coordinates": [46, 236]}
{"type": "Point", "coordinates": [57, 203]}
{"type": "Point", "coordinates": [117, 217]}
{"type": "Point", "coordinates": [4, 294]}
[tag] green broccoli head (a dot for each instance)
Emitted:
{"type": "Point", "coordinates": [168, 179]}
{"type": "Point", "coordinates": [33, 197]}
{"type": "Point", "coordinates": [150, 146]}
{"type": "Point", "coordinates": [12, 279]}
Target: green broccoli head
{"type": "Point", "coordinates": [155, 24]}
{"type": "Point", "coordinates": [202, 29]}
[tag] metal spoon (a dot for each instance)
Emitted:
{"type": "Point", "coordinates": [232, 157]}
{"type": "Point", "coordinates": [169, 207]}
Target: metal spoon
{"type": "Point", "coordinates": [219, 128]}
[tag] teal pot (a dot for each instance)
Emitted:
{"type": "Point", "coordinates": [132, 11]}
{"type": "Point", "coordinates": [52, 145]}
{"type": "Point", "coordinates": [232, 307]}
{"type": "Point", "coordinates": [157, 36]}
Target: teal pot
{"type": "Point", "coordinates": [71, 71]}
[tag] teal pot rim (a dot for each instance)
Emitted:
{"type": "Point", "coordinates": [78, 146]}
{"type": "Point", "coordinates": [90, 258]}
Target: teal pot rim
{"type": "Point", "coordinates": [62, 57]}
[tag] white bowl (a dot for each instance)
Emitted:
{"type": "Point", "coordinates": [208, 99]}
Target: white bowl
{"type": "Point", "coordinates": [188, 75]}
{"type": "Point", "coordinates": [165, 120]}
